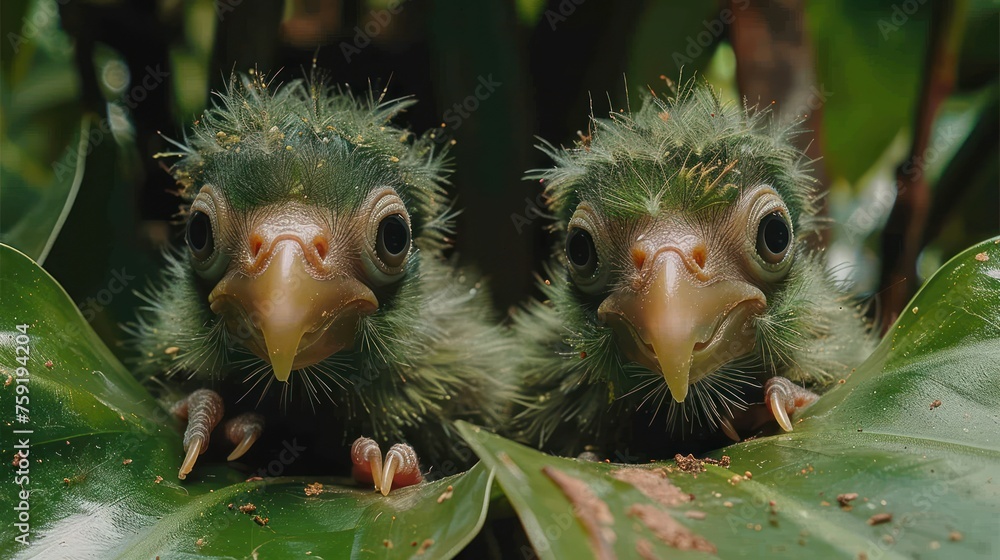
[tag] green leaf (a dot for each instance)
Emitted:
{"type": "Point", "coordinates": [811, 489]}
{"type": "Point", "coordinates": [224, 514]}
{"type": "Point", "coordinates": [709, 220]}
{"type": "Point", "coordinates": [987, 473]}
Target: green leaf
{"type": "Point", "coordinates": [102, 458]}
{"type": "Point", "coordinates": [913, 431]}
{"type": "Point", "coordinates": [44, 137]}
{"type": "Point", "coordinates": [869, 63]}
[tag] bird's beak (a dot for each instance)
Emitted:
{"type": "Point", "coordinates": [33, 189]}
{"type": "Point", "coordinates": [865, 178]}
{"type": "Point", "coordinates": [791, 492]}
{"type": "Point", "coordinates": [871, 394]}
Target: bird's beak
{"type": "Point", "coordinates": [301, 319]}
{"type": "Point", "coordinates": [681, 324]}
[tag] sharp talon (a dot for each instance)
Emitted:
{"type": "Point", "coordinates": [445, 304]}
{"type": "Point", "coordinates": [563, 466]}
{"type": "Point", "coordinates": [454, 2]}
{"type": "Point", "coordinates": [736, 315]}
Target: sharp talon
{"type": "Point", "coordinates": [193, 450]}
{"type": "Point", "coordinates": [203, 410]}
{"type": "Point", "coordinates": [727, 428]}
{"type": "Point", "coordinates": [401, 461]}
{"type": "Point", "coordinates": [777, 398]}
{"type": "Point", "coordinates": [392, 461]}
{"type": "Point", "coordinates": [782, 417]}
{"type": "Point", "coordinates": [365, 454]}
{"type": "Point", "coordinates": [244, 431]}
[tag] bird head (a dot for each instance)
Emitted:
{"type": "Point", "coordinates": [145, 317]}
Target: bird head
{"type": "Point", "coordinates": [680, 223]}
{"type": "Point", "coordinates": [299, 223]}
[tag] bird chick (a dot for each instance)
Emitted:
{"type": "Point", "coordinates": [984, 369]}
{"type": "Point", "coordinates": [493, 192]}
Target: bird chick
{"type": "Point", "coordinates": [314, 231]}
{"type": "Point", "coordinates": [682, 290]}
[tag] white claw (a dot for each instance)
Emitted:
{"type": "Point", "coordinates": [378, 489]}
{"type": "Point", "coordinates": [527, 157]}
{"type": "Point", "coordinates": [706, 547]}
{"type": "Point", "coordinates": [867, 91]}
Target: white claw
{"type": "Point", "coordinates": [193, 450]}
{"type": "Point", "coordinates": [392, 461]}
{"type": "Point", "coordinates": [248, 440]}
{"type": "Point", "coordinates": [776, 396]}
{"type": "Point", "coordinates": [366, 449]}
{"type": "Point", "coordinates": [243, 431]}
{"type": "Point", "coordinates": [782, 417]}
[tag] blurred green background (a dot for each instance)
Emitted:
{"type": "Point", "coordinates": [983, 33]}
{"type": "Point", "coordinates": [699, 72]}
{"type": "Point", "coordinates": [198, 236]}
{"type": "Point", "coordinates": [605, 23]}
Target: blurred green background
{"type": "Point", "coordinates": [897, 96]}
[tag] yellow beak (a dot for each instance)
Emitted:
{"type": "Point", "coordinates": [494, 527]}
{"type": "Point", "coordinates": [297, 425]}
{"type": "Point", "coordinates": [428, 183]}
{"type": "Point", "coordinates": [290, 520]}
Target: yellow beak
{"type": "Point", "coordinates": [287, 316]}
{"type": "Point", "coordinates": [680, 325]}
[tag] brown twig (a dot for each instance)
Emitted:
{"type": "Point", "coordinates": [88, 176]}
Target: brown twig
{"type": "Point", "coordinates": [903, 237]}
{"type": "Point", "coordinates": [775, 62]}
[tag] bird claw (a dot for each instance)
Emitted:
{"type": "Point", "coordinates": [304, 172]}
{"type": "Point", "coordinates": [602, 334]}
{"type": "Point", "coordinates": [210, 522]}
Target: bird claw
{"type": "Point", "coordinates": [203, 410]}
{"type": "Point", "coordinates": [400, 467]}
{"type": "Point", "coordinates": [195, 447]}
{"type": "Point", "coordinates": [243, 432]}
{"type": "Point", "coordinates": [783, 398]}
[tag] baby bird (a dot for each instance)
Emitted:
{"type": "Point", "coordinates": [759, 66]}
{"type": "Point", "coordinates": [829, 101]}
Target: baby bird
{"type": "Point", "coordinates": [682, 291]}
{"type": "Point", "coordinates": [314, 231]}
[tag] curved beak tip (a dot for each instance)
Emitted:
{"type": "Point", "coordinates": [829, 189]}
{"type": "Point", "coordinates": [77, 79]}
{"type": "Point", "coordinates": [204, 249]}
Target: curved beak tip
{"type": "Point", "coordinates": [282, 349]}
{"type": "Point", "coordinates": [677, 378]}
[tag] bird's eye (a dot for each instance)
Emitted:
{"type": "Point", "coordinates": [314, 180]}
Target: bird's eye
{"type": "Point", "coordinates": [389, 237]}
{"type": "Point", "coordinates": [774, 237]}
{"type": "Point", "coordinates": [581, 252]}
{"type": "Point", "coordinates": [199, 235]}
{"type": "Point", "coordinates": [393, 241]}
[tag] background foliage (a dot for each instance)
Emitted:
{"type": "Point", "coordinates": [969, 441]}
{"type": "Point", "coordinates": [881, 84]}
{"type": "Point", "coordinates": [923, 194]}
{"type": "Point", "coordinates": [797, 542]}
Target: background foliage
{"type": "Point", "coordinates": [900, 97]}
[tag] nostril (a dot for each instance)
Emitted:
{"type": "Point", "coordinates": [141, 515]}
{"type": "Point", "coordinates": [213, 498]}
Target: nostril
{"type": "Point", "coordinates": [638, 257]}
{"type": "Point", "coordinates": [322, 248]}
{"type": "Point", "coordinates": [255, 245]}
{"type": "Point", "coordinates": [699, 254]}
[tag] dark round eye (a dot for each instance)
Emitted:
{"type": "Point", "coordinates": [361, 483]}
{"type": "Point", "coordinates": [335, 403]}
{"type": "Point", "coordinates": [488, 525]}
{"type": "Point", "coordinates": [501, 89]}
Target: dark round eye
{"type": "Point", "coordinates": [393, 242]}
{"type": "Point", "coordinates": [581, 252]}
{"type": "Point", "coordinates": [199, 235]}
{"type": "Point", "coordinates": [774, 237]}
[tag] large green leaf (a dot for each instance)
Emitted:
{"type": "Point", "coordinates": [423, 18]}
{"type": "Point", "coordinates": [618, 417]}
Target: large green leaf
{"type": "Point", "coordinates": [102, 458]}
{"type": "Point", "coordinates": [913, 432]}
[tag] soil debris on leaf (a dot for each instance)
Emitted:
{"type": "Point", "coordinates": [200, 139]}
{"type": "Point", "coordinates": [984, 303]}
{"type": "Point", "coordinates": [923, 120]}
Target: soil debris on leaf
{"type": "Point", "coordinates": [724, 462]}
{"type": "Point", "coordinates": [424, 546]}
{"type": "Point", "coordinates": [982, 257]}
{"type": "Point", "coordinates": [955, 536]}
{"type": "Point", "coordinates": [654, 484]}
{"type": "Point", "coordinates": [880, 518]}
{"type": "Point", "coordinates": [314, 489]}
{"type": "Point", "coordinates": [387, 543]}
{"type": "Point", "coordinates": [695, 514]}
{"type": "Point", "coordinates": [592, 512]}
{"type": "Point", "coordinates": [446, 495]}
{"type": "Point", "coordinates": [645, 550]}
{"type": "Point", "coordinates": [669, 530]}
{"type": "Point", "coordinates": [845, 499]}
{"type": "Point", "coordinates": [689, 464]}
